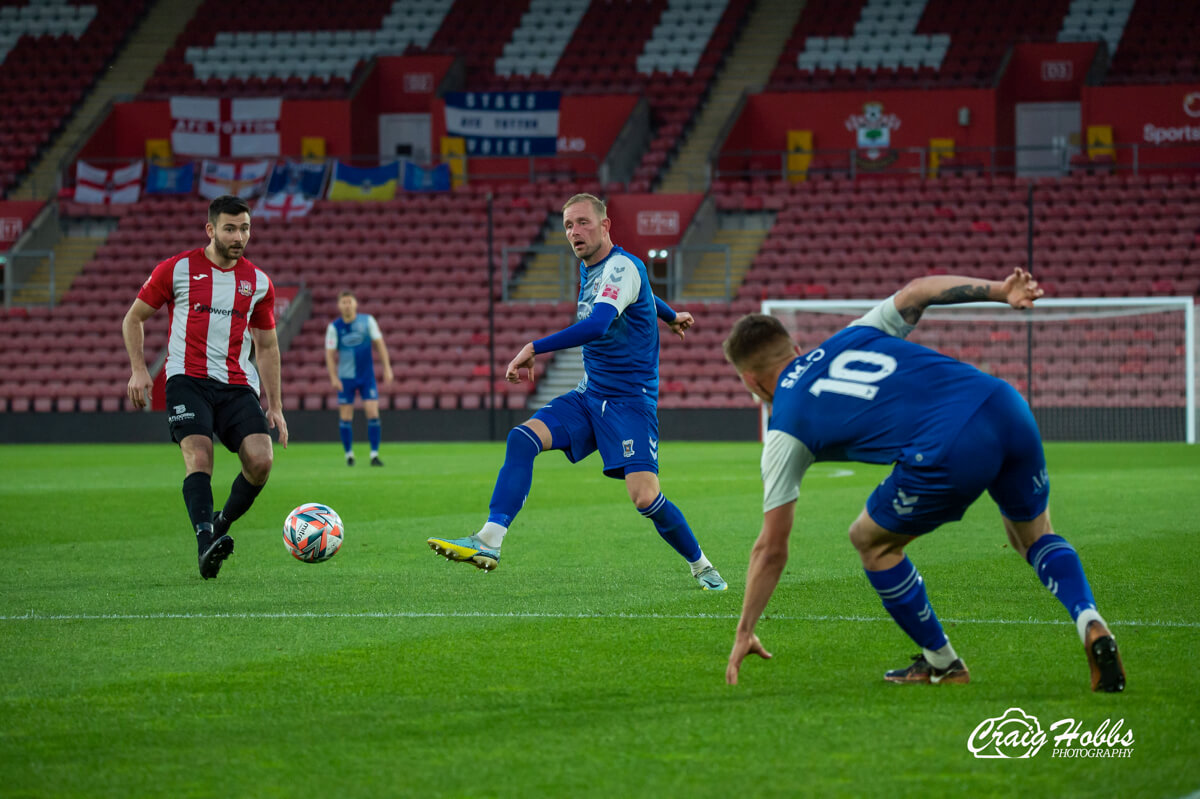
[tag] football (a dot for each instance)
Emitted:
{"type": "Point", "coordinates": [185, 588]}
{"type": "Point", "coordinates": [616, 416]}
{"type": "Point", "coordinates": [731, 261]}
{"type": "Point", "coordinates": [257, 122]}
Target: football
{"type": "Point", "coordinates": [313, 532]}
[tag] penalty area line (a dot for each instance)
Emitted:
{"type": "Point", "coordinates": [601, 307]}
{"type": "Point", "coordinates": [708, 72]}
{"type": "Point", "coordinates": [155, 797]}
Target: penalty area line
{"type": "Point", "coordinates": [414, 614]}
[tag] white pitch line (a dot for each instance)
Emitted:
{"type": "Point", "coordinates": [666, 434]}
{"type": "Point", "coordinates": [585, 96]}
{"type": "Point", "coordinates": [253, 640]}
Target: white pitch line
{"type": "Point", "coordinates": [413, 614]}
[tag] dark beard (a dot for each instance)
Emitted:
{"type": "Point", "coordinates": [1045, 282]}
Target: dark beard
{"type": "Point", "coordinates": [223, 251]}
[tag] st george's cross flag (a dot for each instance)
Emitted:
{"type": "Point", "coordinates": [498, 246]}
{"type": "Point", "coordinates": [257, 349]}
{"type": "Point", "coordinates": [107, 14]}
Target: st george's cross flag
{"type": "Point", "coordinates": [215, 127]}
{"type": "Point", "coordinates": [243, 179]}
{"type": "Point", "coordinates": [96, 184]}
{"type": "Point", "coordinates": [283, 206]}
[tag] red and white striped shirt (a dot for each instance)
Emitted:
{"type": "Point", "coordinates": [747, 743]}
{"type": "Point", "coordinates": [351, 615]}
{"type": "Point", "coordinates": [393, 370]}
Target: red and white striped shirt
{"type": "Point", "coordinates": [212, 310]}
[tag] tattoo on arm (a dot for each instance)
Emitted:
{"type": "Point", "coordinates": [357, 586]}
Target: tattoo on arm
{"type": "Point", "coordinates": [951, 296]}
{"type": "Point", "coordinates": [911, 313]}
{"type": "Point", "coordinates": [957, 294]}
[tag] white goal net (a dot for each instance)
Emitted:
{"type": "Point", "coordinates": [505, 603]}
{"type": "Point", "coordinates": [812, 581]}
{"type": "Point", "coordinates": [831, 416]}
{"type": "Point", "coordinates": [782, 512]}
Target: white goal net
{"type": "Point", "coordinates": [1099, 369]}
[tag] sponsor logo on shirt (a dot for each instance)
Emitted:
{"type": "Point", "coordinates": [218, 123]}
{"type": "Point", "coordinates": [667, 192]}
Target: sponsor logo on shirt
{"type": "Point", "coordinates": [611, 291]}
{"type": "Point", "coordinates": [202, 308]}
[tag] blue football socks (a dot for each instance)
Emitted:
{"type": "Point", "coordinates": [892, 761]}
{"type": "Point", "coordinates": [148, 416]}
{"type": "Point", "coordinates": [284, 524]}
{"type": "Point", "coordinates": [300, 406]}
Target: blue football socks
{"type": "Point", "coordinates": [673, 527]}
{"type": "Point", "coordinates": [902, 590]}
{"type": "Point", "coordinates": [1057, 565]}
{"type": "Point", "coordinates": [346, 429]}
{"type": "Point", "coordinates": [374, 434]}
{"type": "Point", "coordinates": [516, 476]}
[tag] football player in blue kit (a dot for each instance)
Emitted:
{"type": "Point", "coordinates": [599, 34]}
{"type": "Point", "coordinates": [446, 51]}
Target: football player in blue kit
{"type": "Point", "coordinates": [613, 410]}
{"type": "Point", "coordinates": [951, 431]}
{"type": "Point", "coordinates": [350, 341]}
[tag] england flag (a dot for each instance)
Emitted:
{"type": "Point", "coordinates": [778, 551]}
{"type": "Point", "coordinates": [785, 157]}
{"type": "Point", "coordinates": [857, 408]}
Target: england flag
{"type": "Point", "coordinates": [244, 179]}
{"type": "Point", "coordinates": [283, 206]}
{"type": "Point", "coordinates": [218, 127]}
{"type": "Point", "coordinates": [97, 185]}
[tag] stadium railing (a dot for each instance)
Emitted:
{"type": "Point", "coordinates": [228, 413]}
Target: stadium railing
{"type": "Point", "coordinates": [1024, 161]}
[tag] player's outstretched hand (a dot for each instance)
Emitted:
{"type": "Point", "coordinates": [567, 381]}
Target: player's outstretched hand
{"type": "Point", "coordinates": [743, 645]}
{"type": "Point", "coordinates": [524, 360]}
{"type": "Point", "coordinates": [1020, 289]}
{"type": "Point", "coordinates": [683, 320]}
{"type": "Point", "coordinates": [275, 422]}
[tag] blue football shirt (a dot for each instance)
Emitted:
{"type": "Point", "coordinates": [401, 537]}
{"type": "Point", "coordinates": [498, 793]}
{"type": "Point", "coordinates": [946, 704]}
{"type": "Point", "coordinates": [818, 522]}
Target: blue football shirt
{"type": "Point", "coordinates": [624, 361]}
{"type": "Point", "coordinates": [865, 394]}
{"type": "Point", "coordinates": [353, 340]}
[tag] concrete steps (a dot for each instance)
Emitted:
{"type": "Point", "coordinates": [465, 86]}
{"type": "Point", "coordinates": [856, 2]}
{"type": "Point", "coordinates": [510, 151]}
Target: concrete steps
{"type": "Point", "coordinates": [70, 256]}
{"type": "Point", "coordinates": [563, 375]}
{"type": "Point", "coordinates": [707, 282]}
{"type": "Point", "coordinates": [748, 66]}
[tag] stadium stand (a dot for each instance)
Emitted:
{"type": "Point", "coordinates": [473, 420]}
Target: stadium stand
{"type": "Point", "coordinates": [1155, 45]}
{"type": "Point", "coordinates": [427, 285]}
{"type": "Point", "coordinates": [413, 267]}
{"type": "Point", "coordinates": [1096, 20]}
{"type": "Point", "coordinates": [1105, 236]}
{"type": "Point", "coordinates": [673, 50]}
{"type": "Point", "coordinates": [294, 49]}
{"type": "Point", "coordinates": [671, 53]}
{"type": "Point", "coordinates": [50, 54]}
{"type": "Point", "coordinates": [944, 44]}
{"type": "Point", "coordinates": [910, 43]}
{"type": "Point", "coordinates": [1094, 235]}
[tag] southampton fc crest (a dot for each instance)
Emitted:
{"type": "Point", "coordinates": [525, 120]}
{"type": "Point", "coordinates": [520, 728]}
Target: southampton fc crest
{"type": "Point", "coordinates": [873, 135]}
{"type": "Point", "coordinates": [244, 288]}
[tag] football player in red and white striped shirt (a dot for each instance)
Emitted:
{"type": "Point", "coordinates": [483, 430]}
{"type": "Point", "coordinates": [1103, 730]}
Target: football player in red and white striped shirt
{"type": "Point", "coordinates": [220, 305]}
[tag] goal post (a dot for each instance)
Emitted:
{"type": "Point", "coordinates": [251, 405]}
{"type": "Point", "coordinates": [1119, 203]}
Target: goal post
{"type": "Point", "coordinates": [1092, 369]}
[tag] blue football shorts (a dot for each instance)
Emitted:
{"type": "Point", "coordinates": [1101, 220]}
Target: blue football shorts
{"type": "Point", "coordinates": [364, 386]}
{"type": "Point", "coordinates": [998, 450]}
{"type": "Point", "coordinates": [625, 432]}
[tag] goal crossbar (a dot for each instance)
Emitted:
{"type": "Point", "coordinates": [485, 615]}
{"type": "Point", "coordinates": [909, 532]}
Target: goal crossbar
{"type": "Point", "coordinates": [1046, 310]}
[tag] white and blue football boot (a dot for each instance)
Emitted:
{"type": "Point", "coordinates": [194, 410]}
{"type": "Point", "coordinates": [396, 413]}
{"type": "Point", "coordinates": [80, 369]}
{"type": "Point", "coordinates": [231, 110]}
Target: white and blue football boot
{"type": "Point", "coordinates": [711, 580]}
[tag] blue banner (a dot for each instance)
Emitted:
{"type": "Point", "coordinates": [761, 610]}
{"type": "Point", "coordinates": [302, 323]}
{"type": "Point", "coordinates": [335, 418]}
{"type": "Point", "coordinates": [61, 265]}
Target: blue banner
{"type": "Point", "coordinates": [171, 179]}
{"type": "Point", "coordinates": [434, 178]}
{"type": "Point", "coordinates": [305, 178]}
{"type": "Point", "coordinates": [504, 123]}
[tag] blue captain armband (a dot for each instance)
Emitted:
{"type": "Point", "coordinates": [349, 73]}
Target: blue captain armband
{"type": "Point", "coordinates": [581, 332]}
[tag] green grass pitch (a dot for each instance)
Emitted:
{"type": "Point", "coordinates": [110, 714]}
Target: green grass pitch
{"type": "Point", "coordinates": [589, 663]}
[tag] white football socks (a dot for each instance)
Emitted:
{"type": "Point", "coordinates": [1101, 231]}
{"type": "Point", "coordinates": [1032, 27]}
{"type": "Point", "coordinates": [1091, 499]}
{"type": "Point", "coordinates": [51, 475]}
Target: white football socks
{"type": "Point", "coordinates": [1084, 619]}
{"type": "Point", "coordinates": [941, 658]}
{"type": "Point", "coordinates": [699, 565]}
{"type": "Point", "coordinates": [492, 534]}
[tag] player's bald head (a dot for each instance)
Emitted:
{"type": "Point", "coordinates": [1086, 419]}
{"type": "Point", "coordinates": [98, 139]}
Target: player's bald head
{"type": "Point", "coordinates": [758, 341]}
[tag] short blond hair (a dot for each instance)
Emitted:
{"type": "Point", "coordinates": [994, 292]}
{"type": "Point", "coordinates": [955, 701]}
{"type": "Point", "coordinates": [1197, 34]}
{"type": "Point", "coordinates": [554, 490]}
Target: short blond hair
{"type": "Point", "coordinates": [598, 205]}
{"type": "Point", "coordinates": [756, 341]}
